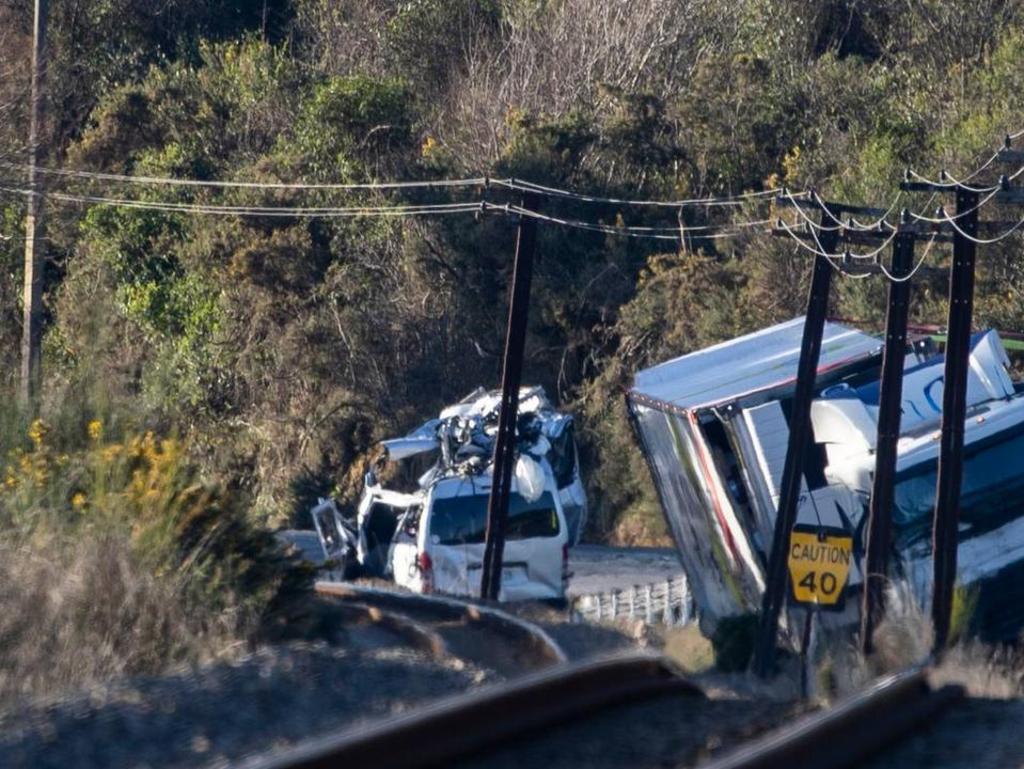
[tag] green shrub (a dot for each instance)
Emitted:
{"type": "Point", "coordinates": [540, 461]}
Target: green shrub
{"type": "Point", "coordinates": [733, 642]}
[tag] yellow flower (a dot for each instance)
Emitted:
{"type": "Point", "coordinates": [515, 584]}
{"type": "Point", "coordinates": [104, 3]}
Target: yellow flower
{"type": "Point", "coordinates": [78, 500]}
{"type": "Point", "coordinates": [111, 452]}
{"type": "Point", "coordinates": [37, 432]}
{"type": "Point", "coordinates": [95, 429]}
{"type": "Point", "coordinates": [429, 145]}
{"type": "Point", "coordinates": [791, 163]}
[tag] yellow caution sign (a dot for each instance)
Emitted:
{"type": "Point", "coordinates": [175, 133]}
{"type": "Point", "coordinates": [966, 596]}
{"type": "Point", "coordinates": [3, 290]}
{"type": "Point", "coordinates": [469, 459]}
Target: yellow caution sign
{"type": "Point", "coordinates": [819, 564]}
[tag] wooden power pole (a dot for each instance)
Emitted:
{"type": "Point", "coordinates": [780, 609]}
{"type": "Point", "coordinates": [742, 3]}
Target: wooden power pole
{"type": "Point", "coordinates": [800, 435]}
{"type": "Point", "coordinates": [511, 377]}
{"type": "Point", "coordinates": [954, 412]}
{"type": "Point", "coordinates": [879, 525]}
{"type": "Point", "coordinates": [31, 339]}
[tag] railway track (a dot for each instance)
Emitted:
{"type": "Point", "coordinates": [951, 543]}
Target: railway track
{"type": "Point", "coordinates": [852, 731]}
{"type": "Point", "coordinates": [314, 706]}
{"type": "Point", "coordinates": [549, 717]}
{"type": "Point", "coordinates": [455, 727]}
{"type": "Point", "coordinates": [446, 627]}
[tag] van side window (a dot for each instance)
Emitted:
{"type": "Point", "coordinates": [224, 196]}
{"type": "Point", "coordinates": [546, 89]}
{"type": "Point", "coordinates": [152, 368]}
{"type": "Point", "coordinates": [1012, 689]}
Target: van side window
{"type": "Point", "coordinates": [463, 520]}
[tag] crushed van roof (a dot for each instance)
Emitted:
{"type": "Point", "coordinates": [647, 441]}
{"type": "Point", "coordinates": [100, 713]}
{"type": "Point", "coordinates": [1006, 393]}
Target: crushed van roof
{"type": "Point", "coordinates": [747, 364]}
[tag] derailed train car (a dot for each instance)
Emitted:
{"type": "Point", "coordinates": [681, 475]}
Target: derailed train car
{"type": "Point", "coordinates": [713, 426]}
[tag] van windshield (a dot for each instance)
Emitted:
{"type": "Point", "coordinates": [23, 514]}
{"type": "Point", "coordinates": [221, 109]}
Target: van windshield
{"type": "Point", "coordinates": [463, 520]}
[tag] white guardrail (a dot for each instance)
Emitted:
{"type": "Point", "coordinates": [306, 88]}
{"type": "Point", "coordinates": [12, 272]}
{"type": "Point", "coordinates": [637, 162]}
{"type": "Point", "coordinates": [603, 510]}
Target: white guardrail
{"type": "Point", "coordinates": [668, 602]}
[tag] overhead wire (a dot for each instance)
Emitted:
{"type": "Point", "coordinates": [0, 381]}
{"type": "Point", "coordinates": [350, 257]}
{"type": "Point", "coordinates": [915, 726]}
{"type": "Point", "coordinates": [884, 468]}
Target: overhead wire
{"type": "Point", "coordinates": [726, 200]}
{"type": "Point", "coordinates": [509, 183]}
{"type": "Point", "coordinates": [962, 182]}
{"type": "Point", "coordinates": [178, 182]}
{"type": "Point", "coordinates": [815, 226]}
{"type": "Point", "coordinates": [287, 211]}
{"type": "Point", "coordinates": [946, 217]}
{"type": "Point", "coordinates": [673, 233]}
{"type": "Point", "coordinates": [913, 272]}
{"type": "Point", "coordinates": [309, 211]}
{"type": "Point", "coordinates": [857, 224]}
{"type": "Point", "coordinates": [985, 241]}
{"type": "Point", "coordinates": [951, 184]}
{"type": "Point", "coordinates": [992, 159]}
{"type": "Point", "coordinates": [820, 251]}
{"type": "Point", "coordinates": [698, 231]}
{"type": "Point", "coordinates": [634, 232]}
{"type": "Point", "coordinates": [961, 185]}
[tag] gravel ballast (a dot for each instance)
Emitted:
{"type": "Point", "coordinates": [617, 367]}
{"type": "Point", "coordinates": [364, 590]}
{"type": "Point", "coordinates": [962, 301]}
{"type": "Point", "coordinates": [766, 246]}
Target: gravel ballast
{"type": "Point", "coordinates": [226, 711]}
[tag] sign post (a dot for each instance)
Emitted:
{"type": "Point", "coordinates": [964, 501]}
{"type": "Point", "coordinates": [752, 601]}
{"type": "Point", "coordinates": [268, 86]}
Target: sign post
{"type": "Point", "coordinates": [819, 567]}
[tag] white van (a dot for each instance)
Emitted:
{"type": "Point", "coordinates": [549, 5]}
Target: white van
{"type": "Point", "coordinates": [431, 537]}
{"type": "Point", "coordinates": [440, 545]}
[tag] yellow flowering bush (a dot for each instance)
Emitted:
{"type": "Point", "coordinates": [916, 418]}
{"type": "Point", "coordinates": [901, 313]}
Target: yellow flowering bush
{"type": "Point", "coordinates": [147, 488]}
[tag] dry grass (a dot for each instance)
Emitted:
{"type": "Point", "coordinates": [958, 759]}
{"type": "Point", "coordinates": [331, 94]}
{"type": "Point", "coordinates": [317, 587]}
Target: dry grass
{"type": "Point", "coordinates": [905, 639]}
{"type": "Point", "coordinates": [984, 671]}
{"type": "Point", "coordinates": [688, 648]}
{"type": "Point", "coordinates": [74, 614]}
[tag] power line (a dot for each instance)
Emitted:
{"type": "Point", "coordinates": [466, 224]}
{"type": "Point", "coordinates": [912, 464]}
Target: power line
{"type": "Point", "coordinates": [950, 185]}
{"type": "Point", "coordinates": [856, 224]}
{"type": "Point", "coordinates": [479, 181]}
{"type": "Point", "coordinates": [984, 241]}
{"type": "Point", "coordinates": [727, 200]}
{"type": "Point", "coordinates": [177, 182]}
{"type": "Point", "coordinates": [815, 227]}
{"type": "Point", "coordinates": [659, 233]}
{"type": "Point", "coordinates": [913, 272]}
{"type": "Point", "coordinates": [992, 159]}
{"type": "Point", "coordinates": [820, 251]}
{"type": "Point", "coordinates": [681, 232]}
{"type": "Point", "coordinates": [946, 218]}
{"type": "Point", "coordinates": [288, 211]}
{"type": "Point", "coordinates": [962, 182]}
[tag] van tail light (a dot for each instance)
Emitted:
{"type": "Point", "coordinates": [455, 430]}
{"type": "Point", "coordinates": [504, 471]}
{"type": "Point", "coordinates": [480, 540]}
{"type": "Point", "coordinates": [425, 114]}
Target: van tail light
{"type": "Point", "coordinates": [565, 565]}
{"type": "Point", "coordinates": [426, 567]}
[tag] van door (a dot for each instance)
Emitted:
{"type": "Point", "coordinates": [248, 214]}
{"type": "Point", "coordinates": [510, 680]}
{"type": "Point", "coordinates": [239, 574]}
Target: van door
{"type": "Point", "coordinates": [405, 567]}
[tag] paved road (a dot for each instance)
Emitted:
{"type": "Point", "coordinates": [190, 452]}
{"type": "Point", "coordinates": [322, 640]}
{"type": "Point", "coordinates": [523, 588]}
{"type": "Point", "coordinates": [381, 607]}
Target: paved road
{"type": "Point", "coordinates": [595, 568]}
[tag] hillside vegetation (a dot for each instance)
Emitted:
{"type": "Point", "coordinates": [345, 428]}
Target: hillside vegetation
{"type": "Point", "coordinates": [268, 354]}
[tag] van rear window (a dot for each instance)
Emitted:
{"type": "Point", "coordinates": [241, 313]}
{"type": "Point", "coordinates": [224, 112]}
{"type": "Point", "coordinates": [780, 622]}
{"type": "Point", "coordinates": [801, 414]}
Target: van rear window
{"type": "Point", "coordinates": [463, 520]}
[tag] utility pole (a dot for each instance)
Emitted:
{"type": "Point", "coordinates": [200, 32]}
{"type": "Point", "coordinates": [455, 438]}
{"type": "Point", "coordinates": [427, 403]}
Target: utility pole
{"type": "Point", "coordinates": [799, 435]}
{"type": "Point", "coordinates": [954, 412]}
{"type": "Point", "coordinates": [879, 525]}
{"type": "Point", "coordinates": [512, 370]}
{"type": "Point", "coordinates": [31, 339]}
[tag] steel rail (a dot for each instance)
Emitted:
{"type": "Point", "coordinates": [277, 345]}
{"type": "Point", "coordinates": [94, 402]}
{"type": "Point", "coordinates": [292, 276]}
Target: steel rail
{"type": "Point", "coordinates": [462, 725]}
{"type": "Point", "coordinates": [516, 630]}
{"type": "Point", "coordinates": [850, 732]}
{"type": "Point", "coordinates": [414, 633]}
